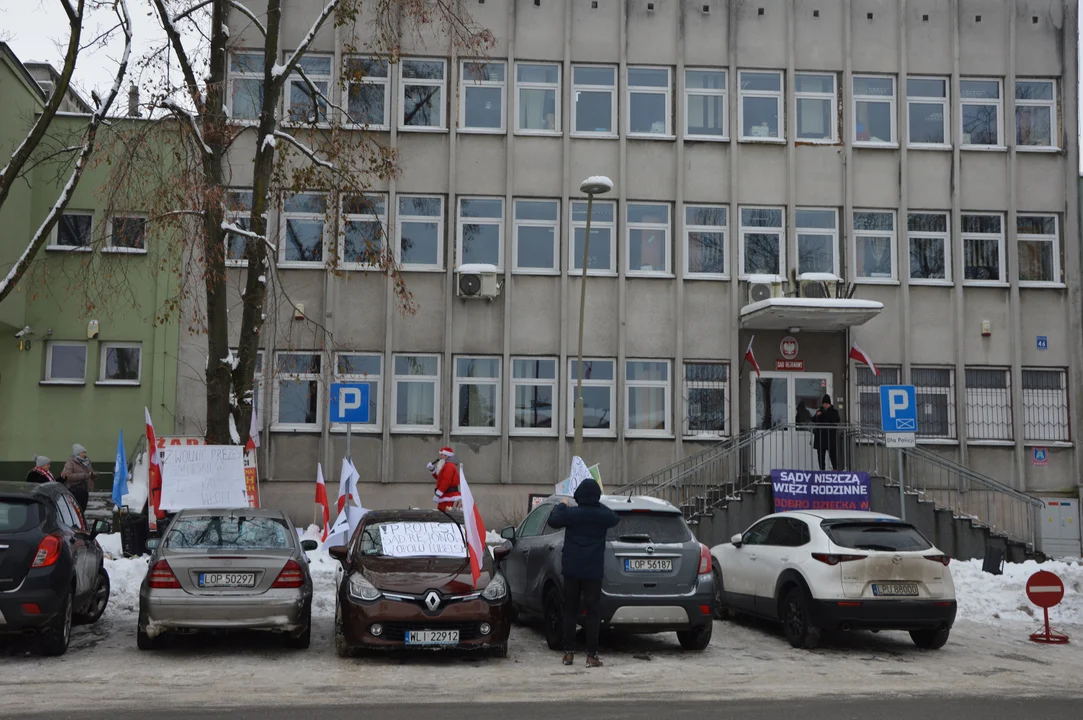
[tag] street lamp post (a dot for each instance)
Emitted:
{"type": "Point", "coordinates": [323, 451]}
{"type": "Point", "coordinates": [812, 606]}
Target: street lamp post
{"type": "Point", "coordinates": [597, 185]}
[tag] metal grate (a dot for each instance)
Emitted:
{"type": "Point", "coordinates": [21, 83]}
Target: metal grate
{"type": "Point", "coordinates": [988, 404]}
{"type": "Point", "coordinates": [1045, 405]}
{"type": "Point", "coordinates": [706, 399]}
{"type": "Point", "coordinates": [936, 401]}
{"type": "Point", "coordinates": [868, 392]}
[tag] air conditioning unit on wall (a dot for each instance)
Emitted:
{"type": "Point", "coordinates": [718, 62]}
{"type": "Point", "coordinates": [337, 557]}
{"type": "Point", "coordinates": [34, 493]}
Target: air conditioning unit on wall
{"type": "Point", "coordinates": [764, 287]}
{"type": "Point", "coordinates": [477, 281]}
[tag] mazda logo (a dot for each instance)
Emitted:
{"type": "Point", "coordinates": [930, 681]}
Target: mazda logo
{"type": "Point", "coordinates": [432, 601]}
{"type": "Point", "coordinates": [897, 559]}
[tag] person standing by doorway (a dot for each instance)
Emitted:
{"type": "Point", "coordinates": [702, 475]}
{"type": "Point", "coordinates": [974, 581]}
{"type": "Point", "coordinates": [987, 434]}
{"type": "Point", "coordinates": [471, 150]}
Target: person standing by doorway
{"type": "Point", "coordinates": [826, 435]}
{"type": "Point", "coordinates": [79, 476]}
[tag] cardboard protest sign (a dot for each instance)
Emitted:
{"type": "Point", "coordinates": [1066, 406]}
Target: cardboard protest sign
{"type": "Point", "coordinates": [203, 476]}
{"type": "Point", "coordinates": [422, 539]}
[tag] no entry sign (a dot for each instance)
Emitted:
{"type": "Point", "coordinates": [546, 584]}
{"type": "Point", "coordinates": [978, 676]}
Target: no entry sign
{"type": "Point", "coordinates": [1045, 589]}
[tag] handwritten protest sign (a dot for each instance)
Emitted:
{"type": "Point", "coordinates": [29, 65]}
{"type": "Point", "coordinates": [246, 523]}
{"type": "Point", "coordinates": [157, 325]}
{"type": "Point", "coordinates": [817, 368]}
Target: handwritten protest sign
{"type": "Point", "coordinates": [808, 490]}
{"type": "Point", "coordinates": [422, 539]}
{"type": "Point", "coordinates": [579, 473]}
{"type": "Point", "coordinates": [203, 476]}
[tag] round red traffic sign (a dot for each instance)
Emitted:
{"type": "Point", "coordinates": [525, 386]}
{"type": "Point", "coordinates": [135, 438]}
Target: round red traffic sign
{"type": "Point", "coordinates": [1045, 589]}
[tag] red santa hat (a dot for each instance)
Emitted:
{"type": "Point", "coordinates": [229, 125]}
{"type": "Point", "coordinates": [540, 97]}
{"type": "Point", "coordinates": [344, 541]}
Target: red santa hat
{"type": "Point", "coordinates": [447, 452]}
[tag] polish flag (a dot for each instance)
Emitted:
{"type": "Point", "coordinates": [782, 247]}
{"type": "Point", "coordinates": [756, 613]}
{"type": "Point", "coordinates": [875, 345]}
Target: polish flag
{"type": "Point", "coordinates": [155, 473]}
{"type": "Point", "coordinates": [253, 431]}
{"type": "Point", "coordinates": [321, 500]}
{"type": "Point", "coordinates": [861, 356]}
{"type": "Point", "coordinates": [347, 484]}
{"type": "Point", "coordinates": [475, 528]}
{"type": "Point", "coordinates": [751, 357]}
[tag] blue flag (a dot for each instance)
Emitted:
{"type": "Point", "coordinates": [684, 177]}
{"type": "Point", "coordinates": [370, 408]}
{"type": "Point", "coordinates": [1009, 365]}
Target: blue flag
{"type": "Point", "coordinates": [120, 473]}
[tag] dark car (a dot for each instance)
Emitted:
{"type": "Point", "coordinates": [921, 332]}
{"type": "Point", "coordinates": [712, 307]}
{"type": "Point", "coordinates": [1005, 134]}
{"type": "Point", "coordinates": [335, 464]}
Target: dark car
{"type": "Point", "coordinates": [51, 567]}
{"type": "Point", "coordinates": [406, 583]}
{"type": "Point", "coordinates": [657, 575]}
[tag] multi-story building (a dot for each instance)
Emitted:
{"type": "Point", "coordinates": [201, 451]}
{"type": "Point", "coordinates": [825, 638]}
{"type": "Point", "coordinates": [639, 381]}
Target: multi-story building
{"type": "Point", "coordinates": [794, 176]}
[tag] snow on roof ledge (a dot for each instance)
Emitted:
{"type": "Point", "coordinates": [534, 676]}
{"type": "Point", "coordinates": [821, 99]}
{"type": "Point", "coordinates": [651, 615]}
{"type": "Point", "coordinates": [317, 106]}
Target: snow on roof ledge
{"type": "Point", "coordinates": [810, 314]}
{"type": "Point", "coordinates": [817, 303]}
{"type": "Point", "coordinates": [818, 277]}
{"type": "Point", "coordinates": [476, 268]}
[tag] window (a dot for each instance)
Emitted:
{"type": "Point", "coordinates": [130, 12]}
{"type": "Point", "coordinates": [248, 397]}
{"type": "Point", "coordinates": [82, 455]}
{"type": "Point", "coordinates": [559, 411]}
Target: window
{"type": "Point", "coordinates": [481, 98]}
{"type": "Point", "coordinates": [419, 229]}
{"type": "Point", "coordinates": [257, 383]}
{"type": "Point", "coordinates": [534, 394]}
{"type": "Point", "coordinates": [648, 238]}
{"type": "Point", "coordinates": [537, 236]}
{"type": "Point", "coordinates": [930, 248]}
{"type": "Point", "coordinates": [74, 230]}
{"type": "Point", "coordinates": [760, 100]}
{"type": "Point", "coordinates": [304, 217]}
{"type": "Point", "coordinates": [246, 85]}
{"type": "Point", "coordinates": [705, 104]}
{"type": "Point", "coordinates": [935, 391]}
{"type": "Point", "coordinates": [757, 534]}
{"type": "Point", "coordinates": [594, 100]}
{"type": "Point", "coordinates": [927, 112]}
{"type": "Point", "coordinates": [874, 110]}
{"type": "Point", "coordinates": [983, 248]}
{"type": "Point", "coordinates": [1045, 405]}
{"type": "Point", "coordinates": [814, 107]}
{"type": "Point", "coordinates": [603, 226]}
{"type": "Point", "coordinates": [980, 102]}
{"type": "Point", "coordinates": [297, 395]}
{"type": "Point", "coordinates": [481, 231]}
{"type": "Point", "coordinates": [817, 241]}
{"type": "Point", "coordinates": [762, 239]}
{"type": "Point", "coordinates": [363, 221]}
{"type": "Point", "coordinates": [65, 362]}
{"type": "Point", "coordinates": [537, 109]}
{"type": "Point", "coordinates": [239, 214]}
{"type": "Point", "coordinates": [417, 388]}
{"type": "Point", "coordinates": [788, 532]}
{"type": "Point", "coordinates": [1039, 249]}
{"type": "Point", "coordinates": [706, 399]}
{"type": "Point", "coordinates": [1036, 121]}
{"type": "Point", "coordinates": [988, 404]}
{"type": "Point", "coordinates": [477, 395]}
{"type": "Point", "coordinates": [535, 523]}
{"type": "Point", "coordinates": [705, 239]}
{"type": "Point", "coordinates": [598, 384]}
{"type": "Point", "coordinates": [303, 105]}
{"type": "Point", "coordinates": [368, 92]}
{"type": "Point", "coordinates": [868, 392]}
{"type": "Point", "coordinates": [874, 245]}
{"type": "Point", "coordinates": [648, 102]}
{"type": "Point", "coordinates": [647, 395]}
{"type": "Point", "coordinates": [121, 364]}
{"type": "Point", "coordinates": [362, 368]}
{"type": "Point", "coordinates": [127, 233]}
{"type": "Point", "coordinates": [421, 94]}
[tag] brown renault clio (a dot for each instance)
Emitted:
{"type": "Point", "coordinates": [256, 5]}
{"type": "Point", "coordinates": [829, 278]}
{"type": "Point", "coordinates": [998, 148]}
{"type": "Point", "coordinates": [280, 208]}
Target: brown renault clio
{"type": "Point", "coordinates": [406, 584]}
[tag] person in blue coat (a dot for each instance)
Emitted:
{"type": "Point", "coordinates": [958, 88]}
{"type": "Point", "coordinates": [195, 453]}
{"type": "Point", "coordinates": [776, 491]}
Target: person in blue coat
{"type": "Point", "coordinates": [583, 563]}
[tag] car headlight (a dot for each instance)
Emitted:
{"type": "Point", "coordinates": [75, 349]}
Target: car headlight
{"type": "Point", "coordinates": [362, 589]}
{"type": "Point", "coordinates": [496, 589]}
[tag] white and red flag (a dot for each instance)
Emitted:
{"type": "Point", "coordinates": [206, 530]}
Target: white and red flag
{"type": "Point", "coordinates": [253, 431]}
{"type": "Point", "coordinates": [321, 500]}
{"type": "Point", "coordinates": [475, 528]}
{"type": "Point", "coordinates": [154, 479]}
{"type": "Point", "coordinates": [861, 356]}
{"type": "Point", "coordinates": [751, 357]}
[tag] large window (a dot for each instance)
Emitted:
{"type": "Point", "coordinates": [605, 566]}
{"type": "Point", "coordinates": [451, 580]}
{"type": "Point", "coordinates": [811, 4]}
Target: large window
{"type": "Point", "coordinates": [762, 241]}
{"type": "Point", "coordinates": [874, 246]}
{"type": "Point", "coordinates": [815, 107]}
{"type": "Point", "coordinates": [421, 94]}
{"type": "Point", "coordinates": [983, 249]}
{"type": "Point", "coordinates": [65, 362]}
{"type": "Point", "coordinates": [705, 104]}
{"type": "Point", "coordinates": [417, 392]}
{"type": "Point", "coordinates": [594, 100]}
{"type": "Point", "coordinates": [238, 214]}
{"type": "Point", "coordinates": [648, 238]}
{"type": "Point", "coordinates": [603, 226]}
{"type": "Point", "coordinates": [930, 248]}
{"type": "Point", "coordinates": [935, 390]}
{"type": "Point", "coordinates": [298, 397]}
{"type": "Point", "coordinates": [705, 241]}
{"type": "Point", "coordinates": [419, 230]}
{"type": "Point", "coordinates": [368, 92]}
{"type": "Point", "coordinates": [706, 399]}
{"type": "Point", "coordinates": [988, 404]}
{"type": "Point", "coordinates": [533, 396]}
{"type": "Point", "coordinates": [245, 85]}
{"type": "Point", "coordinates": [537, 108]}
{"type": "Point", "coordinates": [868, 392]}
{"type": "Point", "coordinates": [599, 383]}
{"type": "Point", "coordinates": [537, 236]}
{"type": "Point", "coordinates": [646, 406]}
{"type": "Point", "coordinates": [874, 110]}
{"type": "Point", "coordinates": [481, 97]}
{"type": "Point", "coordinates": [481, 231]}
{"type": "Point", "coordinates": [1039, 249]}
{"type": "Point", "coordinates": [1045, 405]}
{"type": "Point", "coordinates": [74, 230]}
{"type": "Point", "coordinates": [981, 104]}
{"type": "Point", "coordinates": [927, 112]}
{"type": "Point", "coordinates": [304, 219]}
{"type": "Point", "coordinates": [477, 395]}
{"type": "Point", "coordinates": [817, 241]}
{"type": "Point", "coordinates": [362, 368]}
{"type": "Point", "coordinates": [363, 221]}
{"type": "Point", "coordinates": [1036, 123]}
{"type": "Point", "coordinates": [127, 233]}
{"type": "Point", "coordinates": [760, 101]}
{"type": "Point", "coordinates": [649, 111]}
{"type": "Point", "coordinates": [302, 104]}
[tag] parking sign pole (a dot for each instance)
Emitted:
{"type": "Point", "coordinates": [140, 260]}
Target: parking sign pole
{"type": "Point", "coordinates": [902, 486]}
{"type": "Point", "coordinates": [349, 431]}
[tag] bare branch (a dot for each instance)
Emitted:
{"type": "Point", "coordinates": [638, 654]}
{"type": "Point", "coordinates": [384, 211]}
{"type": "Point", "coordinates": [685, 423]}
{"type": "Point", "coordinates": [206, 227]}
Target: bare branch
{"type": "Point", "coordinates": [175, 39]}
{"type": "Point", "coordinates": [280, 72]}
{"type": "Point", "coordinates": [193, 125]}
{"type": "Point", "coordinates": [181, 16]}
{"type": "Point", "coordinates": [251, 16]}
{"type": "Point", "coordinates": [307, 151]}
{"type": "Point", "coordinates": [73, 15]}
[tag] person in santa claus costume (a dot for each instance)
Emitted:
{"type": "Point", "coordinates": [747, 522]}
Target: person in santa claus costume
{"type": "Point", "coordinates": [445, 470]}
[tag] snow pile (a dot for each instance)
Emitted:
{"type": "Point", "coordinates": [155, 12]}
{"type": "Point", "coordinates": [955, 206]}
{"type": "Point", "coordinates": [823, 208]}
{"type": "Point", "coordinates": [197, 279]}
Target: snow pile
{"type": "Point", "coordinates": [125, 577]}
{"type": "Point", "coordinates": [493, 538]}
{"type": "Point", "coordinates": [989, 599]}
{"type": "Point", "coordinates": [324, 570]}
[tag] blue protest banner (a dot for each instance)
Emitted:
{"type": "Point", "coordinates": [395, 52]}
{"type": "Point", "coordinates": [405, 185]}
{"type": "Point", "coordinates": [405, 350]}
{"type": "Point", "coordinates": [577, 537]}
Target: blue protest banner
{"type": "Point", "coordinates": [819, 490]}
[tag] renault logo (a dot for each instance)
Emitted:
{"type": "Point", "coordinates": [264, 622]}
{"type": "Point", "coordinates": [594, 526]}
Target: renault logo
{"type": "Point", "coordinates": [432, 600]}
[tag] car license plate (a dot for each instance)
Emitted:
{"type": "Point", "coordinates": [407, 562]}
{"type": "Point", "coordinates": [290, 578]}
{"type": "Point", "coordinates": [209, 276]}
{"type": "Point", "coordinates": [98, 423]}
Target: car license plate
{"type": "Point", "coordinates": [227, 580]}
{"type": "Point", "coordinates": [432, 637]}
{"type": "Point", "coordinates": [897, 589]}
{"type": "Point", "coordinates": [648, 565]}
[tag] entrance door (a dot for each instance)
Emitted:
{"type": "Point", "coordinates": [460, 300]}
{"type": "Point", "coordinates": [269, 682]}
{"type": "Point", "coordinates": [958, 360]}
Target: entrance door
{"type": "Point", "coordinates": [782, 406]}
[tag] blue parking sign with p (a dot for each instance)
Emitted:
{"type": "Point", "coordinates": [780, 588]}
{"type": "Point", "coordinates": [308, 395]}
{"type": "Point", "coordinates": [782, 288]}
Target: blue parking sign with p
{"type": "Point", "coordinates": [350, 403]}
{"type": "Point", "coordinates": [898, 409]}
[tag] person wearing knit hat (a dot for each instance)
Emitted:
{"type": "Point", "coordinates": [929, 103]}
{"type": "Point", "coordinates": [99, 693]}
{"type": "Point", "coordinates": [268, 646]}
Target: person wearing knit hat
{"type": "Point", "coordinates": [40, 473]}
{"type": "Point", "coordinates": [79, 476]}
{"type": "Point", "coordinates": [445, 470]}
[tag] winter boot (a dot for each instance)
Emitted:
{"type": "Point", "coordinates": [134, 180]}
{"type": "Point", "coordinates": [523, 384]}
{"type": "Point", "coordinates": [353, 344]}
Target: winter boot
{"type": "Point", "coordinates": [594, 662]}
{"type": "Point", "coordinates": [569, 658]}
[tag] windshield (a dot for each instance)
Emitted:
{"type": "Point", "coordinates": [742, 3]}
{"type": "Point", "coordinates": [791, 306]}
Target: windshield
{"type": "Point", "coordinates": [19, 515]}
{"type": "Point", "coordinates": [405, 539]}
{"type": "Point", "coordinates": [649, 527]}
{"type": "Point", "coordinates": [235, 532]}
{"type": "Point", "coordinates": [888, 537]}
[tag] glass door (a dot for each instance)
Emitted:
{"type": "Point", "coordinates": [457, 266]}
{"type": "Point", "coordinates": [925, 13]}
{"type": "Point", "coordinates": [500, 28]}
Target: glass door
{"type": "Point", "coordinates": [783, 405]}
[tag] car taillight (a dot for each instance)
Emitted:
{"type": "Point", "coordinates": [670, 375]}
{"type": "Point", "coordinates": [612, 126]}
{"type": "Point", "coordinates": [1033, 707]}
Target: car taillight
{"type": "Point", "coordinates": [942, 559]}
{"type": "Point", "coordinates": [704, 559]}
{"type": "Point", "coordinates": [48, 551]}
{"type": "Point", "coordinates": [291, 576]}
{"type": "Point", "coordinates": [162, 577]}
{"type": "Point", "coordinates": [832, 559]}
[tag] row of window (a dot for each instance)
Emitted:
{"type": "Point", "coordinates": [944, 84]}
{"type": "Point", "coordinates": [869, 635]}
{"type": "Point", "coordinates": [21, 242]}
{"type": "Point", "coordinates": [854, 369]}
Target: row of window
{"type": "Point", "coordinates": [123, 233]}
{"type": "Point", "coordinates": [66, 363]}
{"type": "Point", "coordinates": [422, 102]}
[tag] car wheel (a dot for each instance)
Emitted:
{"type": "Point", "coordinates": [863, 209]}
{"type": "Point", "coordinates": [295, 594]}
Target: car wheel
{"type": "Point", "coordinates": [98, 600]}
{"type": "Point", "coordinates": [57, 634]}
{"type": "Point", "coordinates": [554, 620]}
{"type": "Point", "coordinates": [303, 639]}
{"type": "Point", "coordinates": [930, 639]}
{"type": "Point", "coordinates": [698, 638]}
{"type": "Point", "coordinates": [721, 612]}
{"type": "Point", "coordinates": [797, 621]}
{"type": "Point", "coordinates": [499, 651]}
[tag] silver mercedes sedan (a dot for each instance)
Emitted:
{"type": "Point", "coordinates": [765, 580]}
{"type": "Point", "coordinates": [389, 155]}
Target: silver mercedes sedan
{"type": "Point", "coordinates": [239, 569]}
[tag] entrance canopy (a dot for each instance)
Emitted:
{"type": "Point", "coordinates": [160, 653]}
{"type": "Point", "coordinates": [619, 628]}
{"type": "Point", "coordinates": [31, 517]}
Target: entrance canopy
{"type": "Point", "coordinates": [808, 314]}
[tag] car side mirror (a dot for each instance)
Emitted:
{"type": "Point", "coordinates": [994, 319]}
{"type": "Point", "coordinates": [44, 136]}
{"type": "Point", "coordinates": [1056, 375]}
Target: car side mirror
{"type": "Point", "coordinates": [500, 553]}
{"type": "Point", "coordinates": [153, 544]}
{"type": "Point", "coordinates": [338, 552]}
{"type": "Point", "coordinates": [737, 540]}
{"type": "Point", "coordinates": [508, 533]}
{"type": "Point", "coordinates": [309, 545]}
{"type": "Point", "coordinates": [101, 527]}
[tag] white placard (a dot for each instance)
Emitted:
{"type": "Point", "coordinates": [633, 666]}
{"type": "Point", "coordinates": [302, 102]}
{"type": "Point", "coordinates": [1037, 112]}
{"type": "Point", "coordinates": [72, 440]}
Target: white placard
{"type": "Point", "coordinates": [900, 440]}
{"type": "Point", "coordinates": [579, 473]}
{"type": "Point", "coordinates": [203, 476]}
{"type": "Point", "coordinates": [422, 539]}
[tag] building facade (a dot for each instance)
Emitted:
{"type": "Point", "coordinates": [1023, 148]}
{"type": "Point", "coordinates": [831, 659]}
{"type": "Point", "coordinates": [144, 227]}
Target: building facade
{"type": "Point", "coordinates": [790, 177]}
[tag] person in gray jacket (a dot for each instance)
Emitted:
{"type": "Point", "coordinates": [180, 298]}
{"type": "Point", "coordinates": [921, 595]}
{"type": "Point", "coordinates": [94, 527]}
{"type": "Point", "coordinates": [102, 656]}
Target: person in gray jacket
{"type": "Point", "coordinates": [79, 476]}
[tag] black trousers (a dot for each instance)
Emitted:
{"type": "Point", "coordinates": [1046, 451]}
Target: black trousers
{"type": "Point", "coordinates": [82, 496]}
{"type": "Point", "coordinates": [582, 595]}
{"type": "Point", "coordinates": [831, 450]}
